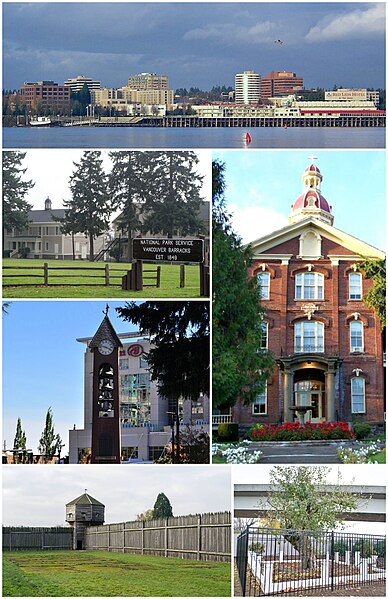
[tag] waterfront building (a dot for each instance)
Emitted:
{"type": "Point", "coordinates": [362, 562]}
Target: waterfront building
{"type": "Point", "coordinates": [145, 416]}
{"type": "Point", "coordinates": [76, 84]}
{"type": "Point", "coordinates": [44, 238]}
{"type": "Point", "coordinates": [247, 88]}
{"type": "Point", "coordinates": [124, 97]}
{"type": "Point", "coordinates": [147, 81]}
{"type": "Point", "coordinates": [44, 95]}
{"type": "Point", "coordinates": [353, 95]}
{"type": "Point", "coordinates": [326, 342]}
{"type": "Point", "coordinates": [280, 83]}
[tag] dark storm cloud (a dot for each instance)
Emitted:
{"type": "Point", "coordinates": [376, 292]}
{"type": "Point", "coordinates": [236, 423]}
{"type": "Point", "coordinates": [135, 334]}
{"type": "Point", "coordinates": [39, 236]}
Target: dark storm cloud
{"type": "Point", "coordinates": [196, 44]}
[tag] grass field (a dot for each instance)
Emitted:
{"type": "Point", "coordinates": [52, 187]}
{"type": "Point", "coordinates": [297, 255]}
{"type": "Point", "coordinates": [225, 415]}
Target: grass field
{"type": "Point", "coordinates": [67, 283]}
{"type": "Point", "coordinates": [103, 574]}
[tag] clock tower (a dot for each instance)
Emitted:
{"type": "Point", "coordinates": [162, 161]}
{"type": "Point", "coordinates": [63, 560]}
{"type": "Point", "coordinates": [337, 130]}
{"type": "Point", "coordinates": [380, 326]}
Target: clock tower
{"type": "Point", "coordinates": [106, 446]}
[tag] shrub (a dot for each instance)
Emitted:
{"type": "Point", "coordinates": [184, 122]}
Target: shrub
{"type": "Point", "coordinates": [341, 546]}
{"type": "Point", "coordinates": [24, 252]}
{"type": "Point", "coordinates": [228, 431]}
{"type": "Point", "coordinates": [361, 430]}
{"type": "Point", "coordinates": [294, 431]}
{"type": "Point", "coordinates": [257, 548]}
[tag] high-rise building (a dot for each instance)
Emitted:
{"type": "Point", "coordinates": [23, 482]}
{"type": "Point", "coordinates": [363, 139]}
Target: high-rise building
{"type": "Point", "coordinates": [76, 84]}
{"type": "Point", "coordinates": [280, 83]}
{"type": "Point", "coordinates": [247, 86]}
{"type": "Point", "coordinates": [144, 81]}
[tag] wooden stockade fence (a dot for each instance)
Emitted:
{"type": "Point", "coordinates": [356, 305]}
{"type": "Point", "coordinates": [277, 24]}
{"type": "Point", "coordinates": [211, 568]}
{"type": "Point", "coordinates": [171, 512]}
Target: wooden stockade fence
{"type": "Point", "coordinates": [205, 537]}
{"type": "Point", "coordinates": [22, 538]}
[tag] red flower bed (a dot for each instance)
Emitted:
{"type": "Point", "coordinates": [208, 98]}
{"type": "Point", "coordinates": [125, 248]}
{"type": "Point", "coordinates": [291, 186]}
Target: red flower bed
{"type": "Point", "coordinates": [294, 431]}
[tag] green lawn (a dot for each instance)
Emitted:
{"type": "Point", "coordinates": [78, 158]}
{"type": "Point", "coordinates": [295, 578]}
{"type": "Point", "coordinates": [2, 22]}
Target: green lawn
{"type": "Point", "coordinates": [66, 283]}
{"type": "Point", "coordinates": [103, 574]}
{"type": "Point", "coordinates": [380, 457]}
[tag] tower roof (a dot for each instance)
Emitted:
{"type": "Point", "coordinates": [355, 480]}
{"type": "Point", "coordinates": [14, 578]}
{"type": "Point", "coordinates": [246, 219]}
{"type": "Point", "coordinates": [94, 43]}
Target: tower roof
{"type": "Point", "coordinates": [105, 331]}
{"type": "Point", "coordinates": [85, 499]}
{"type": "Point", "coordinates": [311, 202]}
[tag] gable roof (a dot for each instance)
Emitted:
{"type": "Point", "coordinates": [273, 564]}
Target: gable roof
{"type": "Point", "coordinates": [284, 234]}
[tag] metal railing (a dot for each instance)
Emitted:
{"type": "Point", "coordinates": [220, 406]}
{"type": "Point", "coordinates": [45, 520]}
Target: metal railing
{"type": "Point", "coordinates": [279, 561]}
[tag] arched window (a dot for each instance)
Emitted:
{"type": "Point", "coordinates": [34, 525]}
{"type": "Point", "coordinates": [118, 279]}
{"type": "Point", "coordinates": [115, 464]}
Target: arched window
{"type": "Point", "coordinates": [263, 279]}
{"type": "Point", "coordinates": [356, 336]}
{"type": "Point", "coordinates": [355, 286]}
{"type": "Point", "coordinates": [358, 395]}
{"type": "Point", "coordinates": [309, 336]}
{"type": "Point", "coordinates": [309, 285]}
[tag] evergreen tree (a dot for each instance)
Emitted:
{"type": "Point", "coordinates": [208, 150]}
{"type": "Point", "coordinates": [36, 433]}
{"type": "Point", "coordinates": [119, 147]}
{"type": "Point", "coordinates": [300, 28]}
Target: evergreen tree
{"type": "Point", "coordinates": [49, 443]}
{"type": "Point", "coordinates": [20, 443]}
{"type": "Point", "coordinates": [129, 184]}
{"type": "Point", "coordinates": [15, 206]}
{"type": "Point", "coordinates": [174, 207]}
{"type": "Point", "coordinates": [162, 507]}
{"type": "Point", "coordinates": [179, 361]}
{"type": "Point", "coordinates": [240, 368]}
{"type": "Point", "coordinates": [89, 209]}
{"type": "Point", "coordinates": [376, 297]}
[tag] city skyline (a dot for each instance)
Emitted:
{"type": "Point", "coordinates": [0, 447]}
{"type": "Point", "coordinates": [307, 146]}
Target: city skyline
{"type": "Point", "coordinates": [215, 41]}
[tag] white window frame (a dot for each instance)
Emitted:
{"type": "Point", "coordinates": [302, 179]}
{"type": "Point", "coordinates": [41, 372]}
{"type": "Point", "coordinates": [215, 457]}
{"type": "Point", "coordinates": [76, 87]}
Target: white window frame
{"type": "Point", "coordinates": [358, 324]}
{"type": "Point", "coordinates": [352, 395]}
{"type": "Point", "coordinates": [301, 285]}
{"type": "Point", "coordinates": [265, 287]}
{"type": "Point", "coordinates": [264, 336]}
{"type": "Point", "coordinates": [359, 277]}
{"type": "Point", "coordinates": [263, 395]}
{"type": "Point", "coordinates": [299, 328]}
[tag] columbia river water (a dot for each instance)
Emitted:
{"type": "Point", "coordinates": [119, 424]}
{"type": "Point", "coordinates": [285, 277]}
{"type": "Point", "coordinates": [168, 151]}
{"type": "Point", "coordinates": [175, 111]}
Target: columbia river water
{"type": "Point", "coordinates": [188, 138]}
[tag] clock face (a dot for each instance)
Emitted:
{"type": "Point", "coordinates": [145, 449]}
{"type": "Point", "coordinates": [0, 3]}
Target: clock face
{"type": "Point", "coordinates": [106, 347]}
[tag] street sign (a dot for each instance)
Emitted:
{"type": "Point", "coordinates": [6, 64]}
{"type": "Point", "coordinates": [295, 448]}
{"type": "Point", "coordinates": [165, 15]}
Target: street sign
{"type": "Point", "coordinates": [168, 250]}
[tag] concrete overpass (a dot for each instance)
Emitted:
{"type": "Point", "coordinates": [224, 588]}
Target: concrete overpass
{"type": "Point", "coordinates": [251, 501]}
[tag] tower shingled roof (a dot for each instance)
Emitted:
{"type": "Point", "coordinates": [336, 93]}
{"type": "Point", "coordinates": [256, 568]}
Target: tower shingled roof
{"type": "Point", "coordinates": [85, 499]}
{"type": "Point", "coordinates": [105, 331]}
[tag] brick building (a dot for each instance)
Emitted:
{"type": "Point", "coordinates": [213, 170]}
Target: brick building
{"type": "Point", "coordinates": [44, 95]}
{"type": "Point", "coordinates": [280, 83]}
{"type": "Point", "coordinates": [326, 342]}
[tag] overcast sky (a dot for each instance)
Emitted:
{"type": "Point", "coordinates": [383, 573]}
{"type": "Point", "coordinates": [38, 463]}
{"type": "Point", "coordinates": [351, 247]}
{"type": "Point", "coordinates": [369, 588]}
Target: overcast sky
{"type": "Point", "coordinates": [37, 495]}
{"type": "Point", "coordinates": [50, 171]}
{"type": "Point", "coordinates": [261, 185]}
{"type": "Point", "coordinates": [197, 44]}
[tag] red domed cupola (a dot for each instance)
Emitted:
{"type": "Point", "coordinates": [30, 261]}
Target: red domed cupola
{"type": "Point", "coordinates": [311, 202]}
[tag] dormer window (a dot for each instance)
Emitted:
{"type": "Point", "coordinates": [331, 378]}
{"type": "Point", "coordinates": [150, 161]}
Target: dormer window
{"type": "Point", "coordinates": [309, 285]}
{"type": "Point", "coordinates": [355, 286]}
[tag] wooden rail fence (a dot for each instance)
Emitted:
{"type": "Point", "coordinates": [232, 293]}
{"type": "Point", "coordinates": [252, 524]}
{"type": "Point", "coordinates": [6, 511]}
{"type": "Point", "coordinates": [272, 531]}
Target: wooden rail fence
{"type": "Point", "coordinates": [104, 273]}
{"type": "Point", "coordinates": [205, 537]}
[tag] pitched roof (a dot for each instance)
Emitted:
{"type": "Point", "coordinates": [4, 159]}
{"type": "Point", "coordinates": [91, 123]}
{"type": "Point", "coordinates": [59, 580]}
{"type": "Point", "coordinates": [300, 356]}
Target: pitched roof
{"type": "Point", "coordinates": [45, 216]}
{"type": "Point", "coordinates": [105, 331]}
{"type": "Point", "coordinates": [85, 499]}
{"type": "Point", "coordinates": [359, 247]}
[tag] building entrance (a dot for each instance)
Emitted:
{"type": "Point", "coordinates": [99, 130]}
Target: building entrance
{"type": "Point", "coordinates": [309, 390]}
